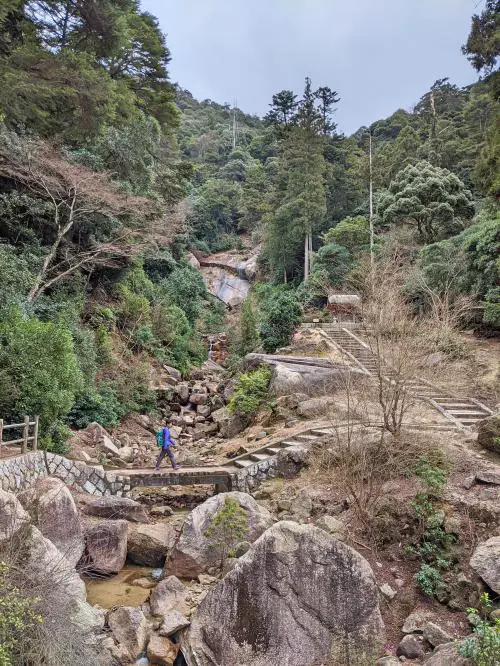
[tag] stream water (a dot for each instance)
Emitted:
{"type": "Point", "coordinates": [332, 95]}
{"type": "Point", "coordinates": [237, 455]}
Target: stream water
{"type": "Point", "coordinates": [118, 590]}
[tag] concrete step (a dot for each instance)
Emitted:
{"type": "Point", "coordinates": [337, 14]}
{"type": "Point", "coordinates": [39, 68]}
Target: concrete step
{"type": "Point", "coordinates": [321, 432]}
{"type": "Point", "coordinates": [243, 462]}
{"type": "Point", "coordinates": [291, 442]}
{"type": "Point", "coordinates": [455, 404]}
{"type": "Point", "coordinates": [306, 437]}
{"type": "Point", "coordinates": [274, 450]}
{"type": "Point", "coordinates": [466, 414]}
{"type": "Point", "coordinates": [259, 456]}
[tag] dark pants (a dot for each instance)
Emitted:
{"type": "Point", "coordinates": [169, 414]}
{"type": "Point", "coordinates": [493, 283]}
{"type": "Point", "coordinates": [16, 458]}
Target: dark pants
{"type": "Point", "coordinates": [166, 451]}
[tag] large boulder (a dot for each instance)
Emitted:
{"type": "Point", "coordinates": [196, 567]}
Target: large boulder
{"type": "Point", "coordinates": [54, 580]}
{"type": "Point", "coordinates": [193, 552]}
{"type": "Point", "coordinates": [116, 508]}
{"type": "Point", "coordinates": [485, 561]}
{"type": "Point", "coordinates": [96, 436]}
{"type": "Point", "coordinates": [303, 374]}
{"type": "Point", "coordinates": [148, 545]}
{"type": "Point", "coordinates": [297, 597]}
{"type": "Point", "coordinates": [229, 424]}
{"type": "Point", "coordinates": [169, 595]}
{"type": "Point", "coordinates": [161, 651]}
{"type": "Point", "coordinates": [314, 407]}
{"type": "Point", "coordinates": [13, 518]}
{"type": "Point", "coordinates": [54, 512]}
{"type": "Point", "coordinates": [107, 546]}
{"type": "Point", "coordinates": [130, 630]}
{"type": "Point", "coordinates": [447, 655]}
{"type": "Point", "coordinates": [488, 433]}
{"type": "Point", "coordinates": [248, 269]}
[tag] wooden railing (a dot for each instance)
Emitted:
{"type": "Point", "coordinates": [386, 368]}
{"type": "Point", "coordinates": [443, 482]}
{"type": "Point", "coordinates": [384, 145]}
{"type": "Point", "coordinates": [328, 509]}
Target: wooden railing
{"type": "Point", "coordinates": [26, 437]}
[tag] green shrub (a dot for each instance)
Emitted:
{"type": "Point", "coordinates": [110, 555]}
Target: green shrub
{"type": "Point", "coordinates": [250, 391]}
{"type": "Point", "coordinates": [104, 346]}
{"type": "Point", "coordinates": [200, 245]}
{"type": "Point", "coordinates": [212, 317]}
{"type": "Point", "coordinates": [17, 277]}
{"type": "Point", "coordinates": [55, 439]}
{"type": "Point", "coordinates": [227, 529]}
{"type": "Point", "coordinates": [138, 282]}
{"type": "Point", "coordinates": [180, 343]}
{"type": "Point", "coordinates": [40, 372]}
{"type": "Point", "coordinates": [102, 317]}
{"type": "Point", "coordinates": [353, 233]}
{"type": "Point", "coordinates": [143, 339]}
{"type": "Point", "coordinates": [86, 351]}
{"type": "Point", "coordinates": [492, 307]}
{"type": "Point", "coordinates": [158, 265]}
{"type": "Point", "coordinates": [281, 314]}
{"type": "Point", "coordinates": [101, 406]}
{"type": "Point", "coordinates": [332, 262]}
{"type": "Point", "coordinates": [430, 581]}
{"type": "Point", "coordinates": [433, 543]}
{"type": "Point", "coordinates": [483, 647]}
{"type": "Point", "coordinates": [134, 310]}
{"type": "Point", "coordinates": [249, 334]}
{"type": "Point", "coordinates": [186, 289]}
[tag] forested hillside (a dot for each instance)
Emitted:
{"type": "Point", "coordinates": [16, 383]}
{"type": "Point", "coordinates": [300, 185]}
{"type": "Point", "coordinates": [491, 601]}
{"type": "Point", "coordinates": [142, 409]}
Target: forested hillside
{"type": "Point", "coordinates": [109, 174]}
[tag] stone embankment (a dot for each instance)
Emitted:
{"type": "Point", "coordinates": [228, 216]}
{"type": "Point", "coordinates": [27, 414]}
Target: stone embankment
{"type": "Point", "coordinates": [23, 472]}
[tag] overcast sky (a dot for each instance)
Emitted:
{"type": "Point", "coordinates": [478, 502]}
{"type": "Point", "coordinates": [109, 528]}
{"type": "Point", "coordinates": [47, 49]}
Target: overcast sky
{"type": "Point", "coordinates": [379, 55]}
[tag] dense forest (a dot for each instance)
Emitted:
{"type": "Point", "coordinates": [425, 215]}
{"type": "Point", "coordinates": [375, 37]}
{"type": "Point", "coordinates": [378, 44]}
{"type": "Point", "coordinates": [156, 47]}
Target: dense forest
{"type": "Point", "coordinates": [110, 174]}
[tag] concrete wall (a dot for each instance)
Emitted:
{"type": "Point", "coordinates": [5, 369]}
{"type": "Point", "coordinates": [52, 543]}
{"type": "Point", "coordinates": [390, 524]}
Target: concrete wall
{"type": "Point", "coordinates": [22, 472]}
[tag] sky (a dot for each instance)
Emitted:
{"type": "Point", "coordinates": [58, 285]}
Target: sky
{"type": "Point", "coordinates": [379, 55]}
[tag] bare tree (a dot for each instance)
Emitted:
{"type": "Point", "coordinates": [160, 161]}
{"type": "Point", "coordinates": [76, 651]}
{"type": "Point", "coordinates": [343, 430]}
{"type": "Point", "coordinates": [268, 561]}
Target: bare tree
{"type": "Point", "coordinates": [397, 340]}
{"type": "Point", "coordinates": [76, 195]}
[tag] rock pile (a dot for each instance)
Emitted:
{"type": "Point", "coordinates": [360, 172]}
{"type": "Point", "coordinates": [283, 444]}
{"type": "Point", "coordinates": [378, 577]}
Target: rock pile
{"type": "Point", "coordinates": [196, 408]}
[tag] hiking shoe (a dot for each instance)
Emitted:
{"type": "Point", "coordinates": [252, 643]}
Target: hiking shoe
{"type": "Point", "coordinates": [177, 467]}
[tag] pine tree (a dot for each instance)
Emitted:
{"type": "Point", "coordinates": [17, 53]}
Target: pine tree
{"type": "Point", "coordinates": [303, 206]}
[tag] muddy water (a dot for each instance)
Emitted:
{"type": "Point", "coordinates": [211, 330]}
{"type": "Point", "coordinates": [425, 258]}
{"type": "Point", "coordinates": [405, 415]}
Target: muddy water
{"type": "Point", "coordinates": [118, 590]}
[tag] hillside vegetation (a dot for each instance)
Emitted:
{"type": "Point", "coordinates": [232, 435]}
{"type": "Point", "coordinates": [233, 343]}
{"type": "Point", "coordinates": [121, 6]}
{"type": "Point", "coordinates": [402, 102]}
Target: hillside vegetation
{"type": "Point", "coordinates": [109, 174]}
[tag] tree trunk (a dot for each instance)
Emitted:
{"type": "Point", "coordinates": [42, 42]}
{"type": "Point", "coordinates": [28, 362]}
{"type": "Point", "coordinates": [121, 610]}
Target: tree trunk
{"type": "Point", "coordinates": [37, 287]}
{"type": "Point", "coordinates": [310, 251]}
{"type": "Point", "coordinates": [64, 35]}
{"type": "Point", "coordinates": [306, 256]}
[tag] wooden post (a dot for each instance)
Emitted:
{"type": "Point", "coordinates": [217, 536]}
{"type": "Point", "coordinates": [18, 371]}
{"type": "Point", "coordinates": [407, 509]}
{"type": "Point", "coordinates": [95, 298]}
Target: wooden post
{"type": "Point", "coordinates": [35, 435]}
{"type": "Point", "coordinates": [26, 429]}
{"type": "Point", "coordinates": [1, 436]}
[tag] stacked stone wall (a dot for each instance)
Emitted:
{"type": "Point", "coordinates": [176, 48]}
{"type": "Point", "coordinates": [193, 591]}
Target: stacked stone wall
{"type": "Point", "coordinates": [21, 473]}
{"type": "Point", "coordinates": [286, 463]}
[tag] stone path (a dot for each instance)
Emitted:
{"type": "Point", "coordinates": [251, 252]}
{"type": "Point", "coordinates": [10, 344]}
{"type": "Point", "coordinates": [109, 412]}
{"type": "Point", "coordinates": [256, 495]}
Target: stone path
{"type": "Point", "coordinates": [464, 413]}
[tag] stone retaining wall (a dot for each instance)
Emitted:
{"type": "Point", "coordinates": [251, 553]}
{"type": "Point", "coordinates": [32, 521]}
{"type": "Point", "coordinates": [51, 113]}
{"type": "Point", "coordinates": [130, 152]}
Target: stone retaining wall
{"type": "Point", "coordinates": [22, 472]}
{"type": "Point", "coordinates": [287, 463]}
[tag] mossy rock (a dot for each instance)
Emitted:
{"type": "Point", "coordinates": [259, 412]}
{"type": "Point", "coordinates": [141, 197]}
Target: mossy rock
{"type": "Point", "coordinates": [488, 433]}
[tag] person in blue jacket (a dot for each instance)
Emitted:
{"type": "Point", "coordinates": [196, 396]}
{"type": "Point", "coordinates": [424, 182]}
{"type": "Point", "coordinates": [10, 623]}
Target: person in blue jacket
{"type": "Point", "coordinates": [164, 439]}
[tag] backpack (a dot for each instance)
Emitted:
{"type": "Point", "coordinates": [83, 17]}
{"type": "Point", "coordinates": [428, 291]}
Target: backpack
{"type": "Point", "coordinates": [160, 437]}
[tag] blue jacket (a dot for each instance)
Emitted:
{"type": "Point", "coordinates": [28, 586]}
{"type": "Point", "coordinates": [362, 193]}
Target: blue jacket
{"type": "Point", "coordinates": [167, 439]}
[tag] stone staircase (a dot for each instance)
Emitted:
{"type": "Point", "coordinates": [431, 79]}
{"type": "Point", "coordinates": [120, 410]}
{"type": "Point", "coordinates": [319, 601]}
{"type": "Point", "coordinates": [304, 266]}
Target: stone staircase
{"type": "Point", "coordinates": [464, 413]}
{"type": "Point", "coordinates": [269, 450]}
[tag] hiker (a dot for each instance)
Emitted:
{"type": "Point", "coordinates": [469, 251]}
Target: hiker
{"type": "Point", "coordinates": [165, 441]}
